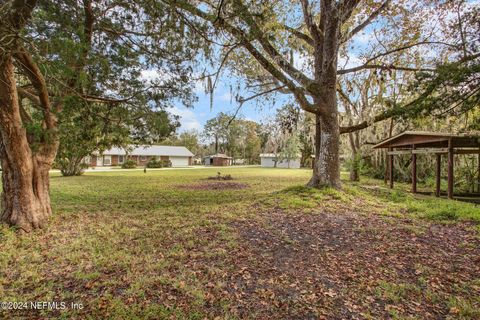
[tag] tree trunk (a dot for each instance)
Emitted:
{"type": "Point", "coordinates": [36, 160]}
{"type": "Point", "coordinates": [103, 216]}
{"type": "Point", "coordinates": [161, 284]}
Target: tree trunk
{"type": "Point", "coordinates": [25, 201]}
{"type": "Point", "coordinates": [25, 196]}
{"type": "Point", "coordinates": [354, 174]}
{"type": "Point", "coordinates": [326, 170]}
{"type": "Point", "coordinates": [72, 167]}
{"type": "Point", "coordinates": [354, 169]}
{"type": "Point", "coordinates": [355, 162]}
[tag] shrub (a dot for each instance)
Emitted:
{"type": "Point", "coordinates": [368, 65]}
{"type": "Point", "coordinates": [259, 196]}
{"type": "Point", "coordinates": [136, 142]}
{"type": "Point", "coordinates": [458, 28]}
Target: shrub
{"type": "Point", "coordinates": [155, 163]}
{"type": "Point", "coordinates": [166, 163]}
{"type": "Point", "coordinates": [129, 164]}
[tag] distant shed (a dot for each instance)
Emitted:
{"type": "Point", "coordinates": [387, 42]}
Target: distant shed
{"type": "Point", "coordinates": [268, 160]}
{"type": "Point", "coordinates": [218, 159]}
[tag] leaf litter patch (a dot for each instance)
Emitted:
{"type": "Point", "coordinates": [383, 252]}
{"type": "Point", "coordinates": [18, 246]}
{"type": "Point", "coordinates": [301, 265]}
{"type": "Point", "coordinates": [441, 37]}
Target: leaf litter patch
{"type": "Point", "coordinates": [217, 185]}
{"type": "Point", "coordinates": [345, 265]}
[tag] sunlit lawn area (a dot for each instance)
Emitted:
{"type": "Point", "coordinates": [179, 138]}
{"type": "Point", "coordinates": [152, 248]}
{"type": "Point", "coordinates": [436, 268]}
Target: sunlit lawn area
{"type": "Point", "coordinates": [169, 244]}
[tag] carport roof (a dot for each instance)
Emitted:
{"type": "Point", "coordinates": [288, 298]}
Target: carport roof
{"type": "Point", "coordinates": [423, 139]}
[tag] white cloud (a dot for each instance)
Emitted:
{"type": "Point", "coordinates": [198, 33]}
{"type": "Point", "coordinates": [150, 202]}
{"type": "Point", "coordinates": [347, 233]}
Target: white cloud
{"type": "Point", "coordinates": [188, 118]}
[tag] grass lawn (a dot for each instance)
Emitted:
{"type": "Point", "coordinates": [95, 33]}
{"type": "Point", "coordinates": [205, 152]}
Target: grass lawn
{"type": "Point", "coordinates": [171, 245]}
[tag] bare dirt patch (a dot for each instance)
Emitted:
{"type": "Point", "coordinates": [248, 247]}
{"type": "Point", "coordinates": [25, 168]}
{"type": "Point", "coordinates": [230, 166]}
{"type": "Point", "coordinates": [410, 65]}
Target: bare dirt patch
{"type": "Point", "coordinates": [215, 186]}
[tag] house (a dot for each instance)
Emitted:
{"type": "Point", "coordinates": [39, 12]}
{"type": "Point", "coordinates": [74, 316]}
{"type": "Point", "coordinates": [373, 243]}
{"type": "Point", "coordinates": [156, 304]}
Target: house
{"type": "Point", "coordinates": [178, 156]}
{"type": "Point", "coordinates": [218, 159]}
{"type": "Point", "coordinates": [268, 160]}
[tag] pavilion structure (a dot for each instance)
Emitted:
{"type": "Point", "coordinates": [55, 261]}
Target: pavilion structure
{"type": "Point", "coordinates": [441, 144]}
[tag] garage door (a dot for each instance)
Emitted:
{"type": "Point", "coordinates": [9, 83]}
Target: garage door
{"type": "Point", "coordinates": [179, 161]}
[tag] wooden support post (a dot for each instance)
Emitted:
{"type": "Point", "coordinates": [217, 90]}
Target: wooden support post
{"type": "Point", "coordinates": [391, 169]}
{"type": "Point", "coordinates": [438, 171]}
{"type": "Point", "coordinates": [387, 168]}
{"type": "Point", "coordinates": [478, 178]}
{"type": "Point", "coordinates": [414, 171]}
{"type": "Point", "coordinates": [450, 169]}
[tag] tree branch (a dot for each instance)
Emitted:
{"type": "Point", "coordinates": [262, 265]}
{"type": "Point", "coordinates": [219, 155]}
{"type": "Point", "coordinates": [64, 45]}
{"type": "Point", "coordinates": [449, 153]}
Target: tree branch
{"type": "Point", "coordinates": [346, 8]}
{"type": "Point", "coordinates": [382, 67]}
{"type": "Point", "coordinates": [14, 16]}
{"type": "Point", "coordinates": [405, 47]}
{"type": "Point", "coordinates": [242, 101]}
{"type": "Point", "coordinates": [21, 12]}
{"type": "Point", "coordinates": [24, 93]}
{"type": "Point", "coordinates": [244, 40]}
{"type": "Point", "coordinates": [300, 35]}
{"type": "Point", "coordinates": [81, 62]}
{"type": "Point", "coordinates": [317, 34]}
{"type": "Point", "coordinates": [26, 118]}
{"type": "Point", "coordinates": [365, 23]}
{"type": "Point", "coordinates": [287, 67]}
{"type": "Point", "coordinates": [366, 124]}
{"type": "Point", "coordinates": [346, 98]}
{"type": "Point", "coordinates": [38, 81]}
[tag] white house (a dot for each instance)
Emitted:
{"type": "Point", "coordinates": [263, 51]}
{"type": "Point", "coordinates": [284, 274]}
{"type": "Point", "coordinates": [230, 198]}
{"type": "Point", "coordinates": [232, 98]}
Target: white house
{"type": "Point", "coordinates": [268, 160]}
{"type": "Point", "coordinates": [178, 156]}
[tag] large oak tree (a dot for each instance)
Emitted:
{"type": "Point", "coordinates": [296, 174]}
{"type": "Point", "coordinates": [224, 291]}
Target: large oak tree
{"type": "Point", "coordinates": [63, 63]}
{"type": "Point", "coordinates": [26, 157]}
{"type": "Point", "coordinates": [272, 36]}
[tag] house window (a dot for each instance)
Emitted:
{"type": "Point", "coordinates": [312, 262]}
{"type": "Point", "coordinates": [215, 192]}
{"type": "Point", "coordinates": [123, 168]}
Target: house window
{"type": "Point", "coordinates": [107, 160]}
{"type": "Point", "coordinates": [143, 158]}
{"type": "Point", "coordinates": [121, 159]}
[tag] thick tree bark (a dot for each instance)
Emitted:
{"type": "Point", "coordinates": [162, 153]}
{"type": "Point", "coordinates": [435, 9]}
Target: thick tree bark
{"type": "Point", "coordinates": [25, 196]}
{"type": "Point", "coordinates": [25, 201]}
{"type": "Point", "coordinates": [326, 169]}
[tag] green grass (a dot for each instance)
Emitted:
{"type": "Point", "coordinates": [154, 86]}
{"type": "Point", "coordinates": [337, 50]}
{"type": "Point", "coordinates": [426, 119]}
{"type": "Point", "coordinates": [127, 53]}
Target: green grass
{"type": "Point", "coordinates": [461, 308]}
{"type": "Point", "coordinates": [458, 307]}
{"type": "Point", "coordinates": [395, 292]}
{"type": "Point", "coordinates": [400, 200]}
{"type": "Point", "coordinates": [131, 235]}
{"type": "Point", "coordinates": [128, 245]}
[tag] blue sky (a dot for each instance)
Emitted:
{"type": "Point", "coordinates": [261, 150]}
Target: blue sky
{"type": "Point", "coordinates": [259, 111]}
{"type": "Point", "coordinates": [195, 118]}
